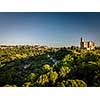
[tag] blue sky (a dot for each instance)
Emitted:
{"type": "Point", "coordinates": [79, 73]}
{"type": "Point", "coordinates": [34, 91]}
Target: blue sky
{"type": "Point", "coordinates": [52, 29]}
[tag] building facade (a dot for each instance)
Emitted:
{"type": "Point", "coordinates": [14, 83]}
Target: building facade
{"type": "Point", "coordinates": [90, 45]}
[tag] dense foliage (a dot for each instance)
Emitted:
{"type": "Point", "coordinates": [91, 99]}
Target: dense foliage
{"type": "Point", "coordinates": [27, 66]}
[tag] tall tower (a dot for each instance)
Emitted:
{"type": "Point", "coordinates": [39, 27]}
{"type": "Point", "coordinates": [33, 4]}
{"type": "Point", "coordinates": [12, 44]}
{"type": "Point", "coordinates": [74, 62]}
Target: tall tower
{"type": "Point", "coordinates": [82, 39]}
{"type": "Point", "coordinates": [82, 43]}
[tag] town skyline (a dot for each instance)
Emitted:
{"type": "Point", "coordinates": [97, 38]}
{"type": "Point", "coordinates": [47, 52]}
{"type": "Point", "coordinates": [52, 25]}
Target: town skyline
{"type": "Point", "coordinates": [50, 29]}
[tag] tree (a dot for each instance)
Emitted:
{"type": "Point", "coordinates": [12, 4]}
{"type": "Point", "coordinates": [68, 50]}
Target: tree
{"type": "Point", "coordinates": [96, 80]}
{"type": "Point", "coordinates": [43, 80]}
{"type": "Point", "coordinates": [1, 65]}
{"type": "Point", "coordinates": [46, 68]}
{"type": "Point", "coordinates": [61, 84]}
{"type": "Point", "coordinates": [30, 78]}
{"type": "Point", "coordinates": [64, 71]}
{"type": "Point", "coordinates": [60, 54]}
{"type": "Point", "coordinates": [72, 83]}
{"type": "Point", "coordinates": [53, 76]}
{"type": "Point", "coordinates": [27, 84]}
{"type": "Point", "coordinates": [68, 60]}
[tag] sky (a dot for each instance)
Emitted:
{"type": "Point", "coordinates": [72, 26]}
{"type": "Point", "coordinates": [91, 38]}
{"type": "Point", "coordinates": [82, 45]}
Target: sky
{"type": "Point", "coordinates": [51, 29]}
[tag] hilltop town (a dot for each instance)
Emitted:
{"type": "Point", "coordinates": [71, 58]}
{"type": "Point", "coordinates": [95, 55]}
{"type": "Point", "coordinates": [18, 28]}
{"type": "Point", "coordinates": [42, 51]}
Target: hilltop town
{"type": "Point", "coordinates": [89, 45]}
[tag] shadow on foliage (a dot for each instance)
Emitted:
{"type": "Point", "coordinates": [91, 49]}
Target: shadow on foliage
{"type": "Point", "coordinates": [14, 72]}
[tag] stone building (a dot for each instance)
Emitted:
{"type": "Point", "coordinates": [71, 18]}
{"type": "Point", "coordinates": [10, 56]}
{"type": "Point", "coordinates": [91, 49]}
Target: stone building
{"type": "Point", "coordinates": [90, 45]}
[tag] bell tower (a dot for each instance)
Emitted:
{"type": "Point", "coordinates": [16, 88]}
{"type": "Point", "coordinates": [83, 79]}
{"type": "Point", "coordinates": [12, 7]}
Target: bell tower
{"type": "Point", "coordinates": [82, 43]}
{"type": "Point", "coordinates": [82, 39]}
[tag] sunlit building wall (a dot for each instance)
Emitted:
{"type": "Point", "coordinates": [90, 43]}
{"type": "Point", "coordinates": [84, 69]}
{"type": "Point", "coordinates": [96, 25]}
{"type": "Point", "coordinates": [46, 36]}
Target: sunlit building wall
{"type": "Point", "coordinates": [90, 45]}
